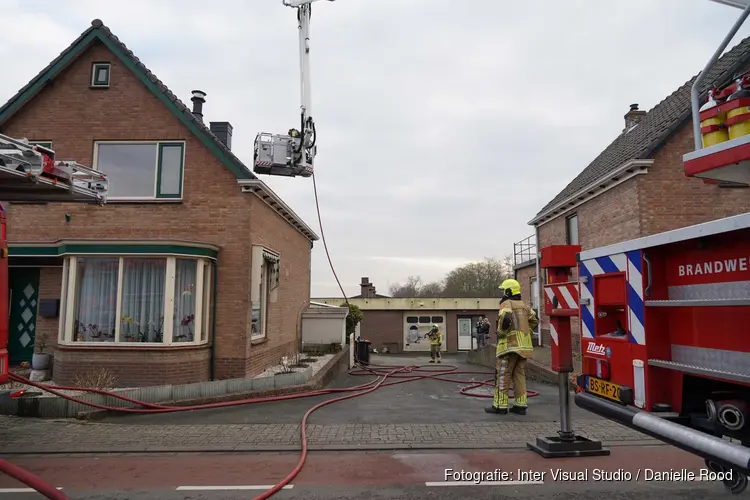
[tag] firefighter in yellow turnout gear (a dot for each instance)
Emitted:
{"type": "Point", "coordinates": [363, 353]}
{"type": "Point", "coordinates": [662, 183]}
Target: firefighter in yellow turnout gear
{"type": "Point", "coordinates": [436, 342]}
{"type": "Point", "coordinates": [515, 324]}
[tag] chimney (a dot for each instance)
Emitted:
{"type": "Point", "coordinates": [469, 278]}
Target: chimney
{"type": "Point", "coordinates": [372, 291]}
{"type": "Point", "coordinates": [199, 98]}
{"type": "Point", "coordinates": [223, 131]}
{"type": "Point", "coordinates": [633, 117]}
{"type": "Point", "coordinates": [365, 287]}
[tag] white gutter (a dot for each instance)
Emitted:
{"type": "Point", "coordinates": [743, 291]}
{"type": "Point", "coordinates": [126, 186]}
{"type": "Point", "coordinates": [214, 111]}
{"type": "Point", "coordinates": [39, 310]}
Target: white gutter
{"type": "Point", "coordinates": [624, 172]}
{"type": "Point", "coordinates": [266, 194]}
{"type": "Point", "coordinates": [320, 304]}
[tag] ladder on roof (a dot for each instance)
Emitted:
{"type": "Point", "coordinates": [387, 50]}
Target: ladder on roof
{"type": "Point", "coordinates": [29, 172]}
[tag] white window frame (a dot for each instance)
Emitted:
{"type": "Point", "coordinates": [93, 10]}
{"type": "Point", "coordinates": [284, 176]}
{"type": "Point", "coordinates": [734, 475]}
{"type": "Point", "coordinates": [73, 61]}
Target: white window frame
{"type": "Point", "coordinates": [568, 222]}
{"type": "Point", "coordinates": [95, 68]}
{"type": "Point", "coordinates": [157, 169]}
{"type": "Point", "coordinates": [264, 280]}
{"type": "Point", "coordinates": [202, 319]}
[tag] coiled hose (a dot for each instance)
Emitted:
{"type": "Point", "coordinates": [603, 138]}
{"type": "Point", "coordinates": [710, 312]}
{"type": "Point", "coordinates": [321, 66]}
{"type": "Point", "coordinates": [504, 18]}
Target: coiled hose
{"type": "Point", "coordinates": [404, 374]}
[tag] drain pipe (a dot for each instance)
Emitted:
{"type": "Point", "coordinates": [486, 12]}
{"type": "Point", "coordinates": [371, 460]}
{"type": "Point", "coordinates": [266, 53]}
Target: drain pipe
{"type": "Point", "coordinates": [538, 292]}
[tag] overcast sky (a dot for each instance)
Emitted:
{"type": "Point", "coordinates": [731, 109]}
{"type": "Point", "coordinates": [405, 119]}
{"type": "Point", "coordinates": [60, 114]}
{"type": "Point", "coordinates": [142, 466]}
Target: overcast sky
{"type": "Point", "coordinates": [435, 118]}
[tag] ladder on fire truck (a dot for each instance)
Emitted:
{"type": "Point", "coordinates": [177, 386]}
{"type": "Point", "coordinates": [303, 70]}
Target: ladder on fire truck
{"type": "Point", "coordinates": [30, 173]}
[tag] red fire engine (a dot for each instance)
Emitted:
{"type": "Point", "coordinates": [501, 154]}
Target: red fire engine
{"type": "Point", "coordinates": [665, 319]}
{"type": "Point", "coordinates": [31, 173]}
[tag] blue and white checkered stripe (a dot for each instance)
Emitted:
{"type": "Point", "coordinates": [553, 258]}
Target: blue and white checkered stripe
{"type": "Point", "coordinates": [636, 309]}
{"type": "Point", "coordinates": [631, 265]}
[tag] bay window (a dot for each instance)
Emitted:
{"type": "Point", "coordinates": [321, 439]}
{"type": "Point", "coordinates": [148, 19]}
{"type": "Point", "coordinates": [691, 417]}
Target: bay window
{"type": "Point", "coordinates": [123, 300]}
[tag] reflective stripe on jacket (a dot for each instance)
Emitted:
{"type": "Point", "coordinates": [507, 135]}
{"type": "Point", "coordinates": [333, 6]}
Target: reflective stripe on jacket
{"type": "Point", "coordinates": [516, 338]}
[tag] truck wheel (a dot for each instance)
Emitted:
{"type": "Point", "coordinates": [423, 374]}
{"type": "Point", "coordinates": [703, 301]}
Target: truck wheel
{"type": "Point", "coordinates": [737, 484]}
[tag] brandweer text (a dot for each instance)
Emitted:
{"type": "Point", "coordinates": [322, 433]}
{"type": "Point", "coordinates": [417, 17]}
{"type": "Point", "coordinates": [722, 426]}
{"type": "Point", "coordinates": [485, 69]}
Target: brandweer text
{"type": "Point", "coordinates": [713, 267]}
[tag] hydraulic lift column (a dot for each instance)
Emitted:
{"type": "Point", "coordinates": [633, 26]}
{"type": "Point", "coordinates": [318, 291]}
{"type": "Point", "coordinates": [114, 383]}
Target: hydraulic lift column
{"type": "Point", "coordinates": [561, 304]}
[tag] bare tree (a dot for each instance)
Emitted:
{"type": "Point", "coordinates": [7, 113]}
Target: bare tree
{"type": "Point", "coordinates": [478, 279]}
{"type": "Point", "coordinates": [434, 289]}
{"type": "Point", "coordinates": [410, 289]}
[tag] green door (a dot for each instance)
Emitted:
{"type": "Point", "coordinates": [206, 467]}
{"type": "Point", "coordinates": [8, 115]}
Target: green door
{"type": "Point", "coordinates": [24, 298]}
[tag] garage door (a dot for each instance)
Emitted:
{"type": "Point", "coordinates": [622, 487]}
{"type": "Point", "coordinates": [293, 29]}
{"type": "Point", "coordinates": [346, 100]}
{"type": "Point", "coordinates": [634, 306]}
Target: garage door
{"type": "Point", "coordinates": [417, 324]}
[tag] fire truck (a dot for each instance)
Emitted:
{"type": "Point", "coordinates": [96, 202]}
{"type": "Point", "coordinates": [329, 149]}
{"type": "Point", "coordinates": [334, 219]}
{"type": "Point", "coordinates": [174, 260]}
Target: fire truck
{"type": "Point", "coordinates": [665, 319]}
{"type": "Point", "coordinates": [30, 173]}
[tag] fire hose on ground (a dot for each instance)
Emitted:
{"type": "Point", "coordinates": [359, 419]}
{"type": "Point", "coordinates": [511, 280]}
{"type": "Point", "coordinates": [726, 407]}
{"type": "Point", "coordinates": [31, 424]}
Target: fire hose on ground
{"type": "Point", "coordinates": [403, 374]}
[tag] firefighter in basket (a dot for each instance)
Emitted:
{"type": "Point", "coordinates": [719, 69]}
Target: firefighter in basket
{"type": "Point", "coordinates": [515, 323]}
{"type": "Point", "coordinates": [436, 342]}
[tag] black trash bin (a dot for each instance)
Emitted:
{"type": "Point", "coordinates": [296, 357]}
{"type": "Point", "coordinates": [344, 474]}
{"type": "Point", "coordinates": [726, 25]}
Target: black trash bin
{"type": "Point", "coordinates": [363, 351]}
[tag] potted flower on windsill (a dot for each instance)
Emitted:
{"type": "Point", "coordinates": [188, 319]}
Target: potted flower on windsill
{"type": "Point", "coordinates": [41, 360]}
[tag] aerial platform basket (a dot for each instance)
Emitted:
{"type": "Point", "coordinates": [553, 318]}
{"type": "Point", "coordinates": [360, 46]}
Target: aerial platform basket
{"type": "Point", "coordinates": [721, 128]}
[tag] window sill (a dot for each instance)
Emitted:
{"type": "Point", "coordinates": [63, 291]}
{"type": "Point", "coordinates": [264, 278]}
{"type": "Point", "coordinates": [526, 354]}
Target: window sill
{"type": "Point", "coordinates": [258, 340]}
{"type": "Point", "coordinates": [98, 87]}
{"type": "Point", "coordinates": [130, 346]}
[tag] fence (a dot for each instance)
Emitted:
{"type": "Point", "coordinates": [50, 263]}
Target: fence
{"type": "Point", "coordinates": [524, 250]}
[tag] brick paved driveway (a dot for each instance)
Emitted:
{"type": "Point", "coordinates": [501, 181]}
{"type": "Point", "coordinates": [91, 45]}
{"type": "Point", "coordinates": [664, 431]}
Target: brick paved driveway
{"type": "Point", "coordinates": [422, 414]}
{"type": "Point", "coordinates": [18, 435]}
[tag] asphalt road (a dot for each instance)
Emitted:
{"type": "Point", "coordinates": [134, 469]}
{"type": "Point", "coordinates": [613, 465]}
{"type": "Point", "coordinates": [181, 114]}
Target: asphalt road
{"type": "Point", "coordinates": [422, 401]}
{"type": "Point", "coordinates": [549, 492]}
{"type": "Point", "coordinates": [375, 475]}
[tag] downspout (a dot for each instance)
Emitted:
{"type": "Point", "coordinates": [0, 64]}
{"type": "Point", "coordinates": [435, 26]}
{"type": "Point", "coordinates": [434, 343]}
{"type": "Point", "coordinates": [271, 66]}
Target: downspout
{"type": "Point", "coordinates": [538, 292]}
{"type": "Point", "coordinates": [215, 277]}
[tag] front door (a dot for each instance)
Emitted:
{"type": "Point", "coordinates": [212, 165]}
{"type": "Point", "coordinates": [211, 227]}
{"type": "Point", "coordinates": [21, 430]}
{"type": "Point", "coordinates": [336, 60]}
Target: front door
{"type": "Point", "coordinates": [464, 334]}
{"type": "Point", "coordinates": [23, 297]}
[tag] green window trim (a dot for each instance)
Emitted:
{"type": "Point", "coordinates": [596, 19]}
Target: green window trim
{"type": "Point", "coordinates": [96, 81]}
{"type": "Point", "coordinates": [161, 146]}
{"type": "Point", "coordinates": [122, 249]}
{"type": "Point", "coordinates": [44, 144]}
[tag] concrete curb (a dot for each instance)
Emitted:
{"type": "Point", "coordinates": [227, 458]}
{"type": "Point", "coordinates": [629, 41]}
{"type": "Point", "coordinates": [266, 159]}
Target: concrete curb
{"type": "Point", "coordinates": [540, 373]}
{"type": "Point", "coordinates": [339, 363]}
{"type": "Point", "coordinates": [320, 447]}
{"type": "Point", "coordinates": [49, 406]}
{"type": "Point", "coordinates": [534, 370]}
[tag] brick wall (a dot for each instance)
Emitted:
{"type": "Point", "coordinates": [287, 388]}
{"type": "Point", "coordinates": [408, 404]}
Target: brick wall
{"type": "Point", "coordinates": [50, 286]}
{"type": "Point", "coordinates": [524, 277]}
{"type": "Point", "coordinates": [387, 327]}
{"type": "Point", "coordinates": [133, 367]}
{"type": "Point", "coordinates": [283, 335]}
{"type": "Point", "coordinates": [213, 209]}
{"type": "Point", "coordinates": [670, 200]}
{"type": "Point", "coordinates": [383, 327]}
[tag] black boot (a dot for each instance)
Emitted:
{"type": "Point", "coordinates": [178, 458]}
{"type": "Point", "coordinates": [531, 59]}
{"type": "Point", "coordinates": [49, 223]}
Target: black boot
{"type": "Point", "coordinates": [518, 410]}
{"type": "Point", "coordinates": [498, 411]}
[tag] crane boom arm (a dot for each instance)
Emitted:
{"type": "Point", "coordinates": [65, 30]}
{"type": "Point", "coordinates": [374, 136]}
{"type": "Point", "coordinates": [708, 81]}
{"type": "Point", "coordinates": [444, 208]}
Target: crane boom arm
{"type": "Point", "coordinates": [293, 154]}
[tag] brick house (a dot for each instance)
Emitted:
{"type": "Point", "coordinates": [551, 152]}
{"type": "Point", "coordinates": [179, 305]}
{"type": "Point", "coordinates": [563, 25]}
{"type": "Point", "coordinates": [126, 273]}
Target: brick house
{"type": "Point", "coordinates": [397, 323]}
{"type": "Point", "coordinates": [636, 186]}
{"type": "Point", "coordinates": [193, 270]}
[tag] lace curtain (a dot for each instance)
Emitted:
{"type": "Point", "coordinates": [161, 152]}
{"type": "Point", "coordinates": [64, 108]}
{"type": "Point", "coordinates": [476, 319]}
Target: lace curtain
{"type": "Point", "coordinates": [184, 300]}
